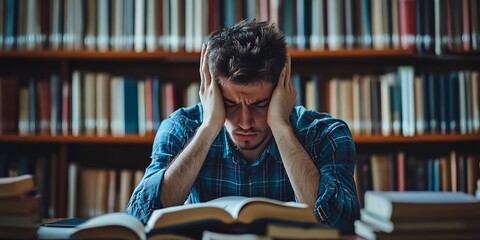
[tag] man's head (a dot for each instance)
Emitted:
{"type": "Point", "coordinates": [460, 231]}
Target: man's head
{"type": "Point", "coordinates": [247, 53]}
{"type": "Point", "coordinates": [246, 61]}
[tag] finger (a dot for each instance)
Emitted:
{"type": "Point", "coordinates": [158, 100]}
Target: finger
{"type": "Point", "coordinates": [205, 70]}
{"type": "Point", "coordinates": [288, 71]}
{"type": "Point", "coordinates": [202, 81]}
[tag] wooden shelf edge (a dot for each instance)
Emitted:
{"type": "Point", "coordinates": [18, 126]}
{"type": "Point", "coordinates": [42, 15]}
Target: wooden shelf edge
{"type": "Point", "coordinates": [135, 139]}
{"type": "Point", "coordinates": [427, 138]}
{"type": "Point", "coordinates": [192, 56]}
{"type": "Point", "coordinates": [129, 139]}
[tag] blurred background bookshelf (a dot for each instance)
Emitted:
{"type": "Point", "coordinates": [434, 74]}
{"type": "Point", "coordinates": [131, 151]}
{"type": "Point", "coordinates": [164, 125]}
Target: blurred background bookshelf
{"type": "Point", "coordinates": [84, 84]}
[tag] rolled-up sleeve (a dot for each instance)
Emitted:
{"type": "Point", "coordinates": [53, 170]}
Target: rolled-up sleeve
{"type": "Point", "coordinates": [334, 153]}
{"type": "Point", "coordinates": [168, 142]}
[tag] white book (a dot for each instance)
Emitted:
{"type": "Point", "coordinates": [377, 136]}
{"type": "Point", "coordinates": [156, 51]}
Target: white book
{"type": "Point", "coordinates": [275, 7]}
{"type": "Point", "coordinates": [317, 39]}
{"type": "Point", "coordinates": [151, 25]}
{"type": "Point", "coordinates": [175, 38]}
{"type": "Point", "coordinates": [102, 81]}
{"type": "Point", "coordinates": [189, 25]}
{"type": "Point", "coordinates": [89, 103]}
{"type": "Point", "coordinates": [76, 103]}
{"type": "Point", "coordinates": [55, 29]}
{"type": "Point", "coordinates": [103, 25]}
{"type": "Point", "coordinates": [386, 83]}
{"type": "Point", "coordinates": [357, 106]}
{"type": "Point", "coordinates": [72, 190]}
{"type": "Point", "coordinates": [406, 75]}
{"type": "Point", "coordinates": [139, 42]}
{"type": "Point", "coordinates": [166, 29]}
{"type": "Point", "coordinates": [300, 37]}
{"type": "Point", "coordinates": [200, 23]}
{"type": "Point", "coordinates": [78, 24]}
{"type": "Point", "coordinates": [141, 108]}
{"type": "Point", "coordinates": [334, 25]}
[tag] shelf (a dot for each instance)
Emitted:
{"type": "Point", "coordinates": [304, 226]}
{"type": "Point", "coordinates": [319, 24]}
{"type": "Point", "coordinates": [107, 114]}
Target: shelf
{"type": "Point", "coordinates": [134, 139]}
{"type": "Point", "coordinates": [427, 138]}
{"type": "Point", "coordinates": [187, 57]}
{"type": "Point", "coordinates": [130, 139]}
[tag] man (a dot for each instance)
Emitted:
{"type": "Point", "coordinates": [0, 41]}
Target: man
{"type": "Point", "coordinates": [247, 138]}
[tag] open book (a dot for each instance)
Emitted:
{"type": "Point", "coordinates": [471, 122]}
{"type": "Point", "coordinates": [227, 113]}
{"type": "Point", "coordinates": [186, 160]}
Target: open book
{"type": "Point", "coordinates": [245, 214]}
{"type": "Point", "coordinates": [227, 214]}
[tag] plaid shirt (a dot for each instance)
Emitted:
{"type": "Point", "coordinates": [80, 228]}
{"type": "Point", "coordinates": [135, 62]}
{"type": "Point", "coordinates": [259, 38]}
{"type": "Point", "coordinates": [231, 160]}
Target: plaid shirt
{"type": "Point", "coordinates": [327, 140]}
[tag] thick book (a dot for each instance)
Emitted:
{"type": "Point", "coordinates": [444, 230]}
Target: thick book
{"type": "Point", "coordinates": [433, 224]}
{"type": "Point", "coordinates": [422, 204]}
{"type": "Point", "coordinates": [16, 186]}
{"type": "Point", "coordinates": [233, 214]}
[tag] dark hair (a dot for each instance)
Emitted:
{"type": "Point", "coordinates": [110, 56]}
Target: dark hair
{"type": "Point", "coordinates": [248, 52]}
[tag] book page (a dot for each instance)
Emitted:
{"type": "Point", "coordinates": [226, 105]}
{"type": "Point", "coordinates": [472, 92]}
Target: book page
{"type": "Point", "coordinates": [114, 219]}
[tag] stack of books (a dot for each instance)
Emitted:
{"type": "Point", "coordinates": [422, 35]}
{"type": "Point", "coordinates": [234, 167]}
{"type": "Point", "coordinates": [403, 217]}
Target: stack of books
{"type": "Point", "coordinates": [419, 215]}
{"type": "Point", "coordinates": [19, 208]}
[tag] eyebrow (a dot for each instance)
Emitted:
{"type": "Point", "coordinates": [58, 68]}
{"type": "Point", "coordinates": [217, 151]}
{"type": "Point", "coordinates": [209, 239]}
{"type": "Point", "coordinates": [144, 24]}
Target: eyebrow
{"type": "Point", "coordinates": [254, 103]}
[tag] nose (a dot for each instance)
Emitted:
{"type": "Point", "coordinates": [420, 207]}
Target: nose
{"type": "Point", "coordinates": [246, 118]}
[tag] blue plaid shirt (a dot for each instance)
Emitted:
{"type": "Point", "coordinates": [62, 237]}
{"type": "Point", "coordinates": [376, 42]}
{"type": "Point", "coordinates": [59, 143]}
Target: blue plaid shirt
{"type": "Point", "coordinates": [327, 140]}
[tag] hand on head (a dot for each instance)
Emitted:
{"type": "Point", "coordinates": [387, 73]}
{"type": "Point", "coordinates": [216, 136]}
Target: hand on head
{"type": "Point", "coordinates": [210, 94]}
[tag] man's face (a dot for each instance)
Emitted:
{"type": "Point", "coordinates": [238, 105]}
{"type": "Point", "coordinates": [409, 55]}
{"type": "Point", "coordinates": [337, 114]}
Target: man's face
{"type": "Point", "coordinates": [246, 108]}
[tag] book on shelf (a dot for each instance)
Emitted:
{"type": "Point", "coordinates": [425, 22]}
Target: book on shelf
{"type": "Point", "coordinates": [391, 205]}
{"type": "Point", "coordinates": [233, 214]}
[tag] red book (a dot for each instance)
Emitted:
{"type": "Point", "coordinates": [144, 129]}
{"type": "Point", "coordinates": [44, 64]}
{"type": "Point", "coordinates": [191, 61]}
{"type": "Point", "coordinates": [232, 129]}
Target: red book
{"type": "Point", "coordinates": [44, 106]}
{"type": "Point", "coordinates": [466, 26]}
{"type": "Point", "coordinates": [408, 21]}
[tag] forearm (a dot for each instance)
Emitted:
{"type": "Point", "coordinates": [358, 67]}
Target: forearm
{"type": "Point", "coordinates": [180, 175]}
{"type": "Point", "coordinates": [301, 170]}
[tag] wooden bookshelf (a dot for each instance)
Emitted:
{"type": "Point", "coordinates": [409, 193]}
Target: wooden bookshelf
{"type": "Point", "coordinates": [181, 68]}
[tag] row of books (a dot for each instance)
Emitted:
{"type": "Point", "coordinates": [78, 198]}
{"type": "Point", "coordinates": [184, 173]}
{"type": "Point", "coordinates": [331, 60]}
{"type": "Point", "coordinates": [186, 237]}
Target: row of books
{"type": "Point", "coordinates": [96, 191]}
{"type": "Point", "coordinates": [407, 103]}
{"type": "Point", "coordinates": [431, 26]}
{"type": "Point", "coordinates": [403, 171]}
{"type": "Point", "coordinates": [419, 215]}
{"type": "Point", "coordinates": [91, 103]}
{"type": "Point", "coordinates": [98, 103]}
{"type": "Point", "coordinates": [91, 190]}
{"type": "Point", "coordinates": [19, 207]}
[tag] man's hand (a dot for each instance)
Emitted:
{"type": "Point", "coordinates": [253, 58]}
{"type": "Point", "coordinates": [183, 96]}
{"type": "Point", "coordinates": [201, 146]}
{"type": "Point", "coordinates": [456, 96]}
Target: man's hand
{"type": "Point", "coordinates": [283, 99]}
{"type": "Point", "coordinates": [210, 95]}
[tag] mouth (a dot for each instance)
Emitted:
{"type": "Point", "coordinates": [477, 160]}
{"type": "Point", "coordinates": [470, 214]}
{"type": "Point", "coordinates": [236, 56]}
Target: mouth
{"type": "Point", "coordinates": [245, 136]}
